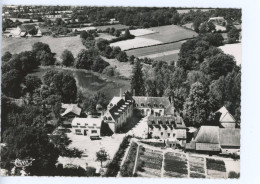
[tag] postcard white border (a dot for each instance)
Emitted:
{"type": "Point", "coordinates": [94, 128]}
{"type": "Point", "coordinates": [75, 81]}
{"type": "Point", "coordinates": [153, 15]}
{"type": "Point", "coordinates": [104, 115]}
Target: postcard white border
{"type": "Point", "coordinates": [250, 152]}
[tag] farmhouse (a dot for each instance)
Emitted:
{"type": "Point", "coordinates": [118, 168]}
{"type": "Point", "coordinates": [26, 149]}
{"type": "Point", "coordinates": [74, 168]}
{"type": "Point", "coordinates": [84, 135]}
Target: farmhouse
{"type": "Point", "coordinates": [226, 119]}
{"type": "Point", "coordinates": [219, 22]}
{"type": "Point", "coordinates": [216, 140]}
{"type": "Point", "coordinates": [154, 106]}
{"type": "Point", "coordinates": [24, 30]}
{"type": "Point", "coordinates": [171, 128]}
{"type": "Point", "coordinates": [118, 111]}
{"type": "Point", "coordinates": [87, 126]}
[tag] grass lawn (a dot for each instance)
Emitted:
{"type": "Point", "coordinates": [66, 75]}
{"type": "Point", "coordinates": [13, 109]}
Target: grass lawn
{"type": "Point", "coordinates": [124, 68]}
{"type": "Point", "coordinates": [57, 45]}
{"type": "Point", "coordinates": [170, 33]}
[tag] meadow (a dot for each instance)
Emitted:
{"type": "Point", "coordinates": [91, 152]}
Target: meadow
{"type": "Point", "coordinates": [57, 45]}
{"type": "Point", "coordinates": [170, 33]}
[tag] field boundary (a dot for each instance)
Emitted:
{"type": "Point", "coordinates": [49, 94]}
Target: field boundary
{"type": "Point", "coordinates": [160, 44]}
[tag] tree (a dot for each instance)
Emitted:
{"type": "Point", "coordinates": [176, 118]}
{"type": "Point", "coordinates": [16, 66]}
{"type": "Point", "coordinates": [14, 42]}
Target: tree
{"type": "Point", "coordinates": [122, 56]}
{"type": "Point", "coordinates": [218, 65]}
{"type": "Point", "coordinates": [196, 108]}
{"type": "Point", "coordinates": [137, 81]}
{"type": "Point", "coordinates": [32, 83]}
{"type": "Point", "coordinates": [39, 46]}
{"type": "Point", "coordinates": [6, 57]}
{"type": "Point", "coordinates": [30, 142]}
{"type": "Point", "coordinates": [102, 156]}
{"type": "Point", "coordinates": [101, 44]}
{"type": "Point", "coordinates": [117, 33]}
{"type": "Point", "coordinates": [99, 65]}
{"type": "Point", "coordinates": [11, 82]}
{"type": "Point", "coordinates": [45, 58]}
{"type": "Point", "coordinates": [67, 58]}
{"type": "Point", "coordinates": [128, 35]}
{"type": "Point", "coordinates": [215, 39]}
{"type": "Point", "coordinates": [85, 58]}
{"type": "Point", "coordinates": [233, 35]}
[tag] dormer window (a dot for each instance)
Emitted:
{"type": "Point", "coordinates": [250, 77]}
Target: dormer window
{"type": "Point", "coordinates": [155, 105]}
{"type": "Point", "coordinates": [149, 105]}
{"type": "Point", "coordinates": [142, 104]}
{"type": "Point", "coordinates": [161, 105]}
{"type": "Point", "coordinates": [111, 105]}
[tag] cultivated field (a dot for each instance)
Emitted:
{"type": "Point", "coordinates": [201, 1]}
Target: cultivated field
{"type": "Point", "coordinates": [234, 50]}
{"type": "Point", "coordinates": [135, 43]}
{"type": "Point", "coordinates": [140, 32]}
{"type": "Point", "coordinates": [155, 49]}
{"type": "Point", "coordinates": [57, 45]}
{"type": "Point", "coordinates": [116, 26]}
{"type": "Point", "coordinates": [170, 33]}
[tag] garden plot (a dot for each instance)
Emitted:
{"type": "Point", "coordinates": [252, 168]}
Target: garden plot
{"type": "Point", "coordinates": [149, 163]}
{"type": "Point", "coordinates": [197, 167]}
{"type": "Point", "coordinates": [135, 43]}
{"type": "Point", "coordinates": [216, 168]}
{"type": "Point", "coordinates": [140, 32]}
{"type": "Point", "coordinates": [175, 165]}
{"type": "Point", "coordinates": [129, 164]}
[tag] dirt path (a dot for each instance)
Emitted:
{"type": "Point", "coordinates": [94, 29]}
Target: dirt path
{"type": "Point", "coordinates": [136, 158]}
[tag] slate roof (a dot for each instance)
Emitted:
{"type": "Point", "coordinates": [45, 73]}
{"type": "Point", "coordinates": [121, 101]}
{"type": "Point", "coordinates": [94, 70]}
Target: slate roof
{"type": "Point", "coordinates": [167, 120]}
{"type": "Point", "coordinates": [229, 136]}
{"type": "Point", "coordinates": [164, 101]}
{"type": "Point", "coordinates": [225, 117]}
{"type": "Point", "coordinates": [208, 134]}
{"type": "Point", "coordinates": [119, 108]}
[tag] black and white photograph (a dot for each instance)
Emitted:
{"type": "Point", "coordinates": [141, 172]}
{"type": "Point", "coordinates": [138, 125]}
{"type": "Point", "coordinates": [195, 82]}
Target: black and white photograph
{"type": "Point", "coordinates": [121, 91]}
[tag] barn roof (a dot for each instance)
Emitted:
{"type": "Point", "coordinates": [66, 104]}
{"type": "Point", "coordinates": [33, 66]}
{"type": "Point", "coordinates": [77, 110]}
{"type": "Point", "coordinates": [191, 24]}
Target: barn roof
{"type": "Point", "coordinates": [226, 117]}
{"type": "Point", "coordinates": [229, 136]}
{"type": "Point", "coordinates": [27, 27]}
{"type": "Point", "coordinates": [208, 134]}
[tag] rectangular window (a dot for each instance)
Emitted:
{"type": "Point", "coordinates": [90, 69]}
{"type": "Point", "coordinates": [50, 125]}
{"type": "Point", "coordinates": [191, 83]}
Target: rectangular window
{"type": "Point", "coordinates": [78, 123]}
{"type": "Point", "coordinates": [161, 133]}
{"type": "Point", "coordinates": [93, 131]}
{"type": "Point", "coordinates": [168, 134]}
{"type": "Point", "coordinates": [94, 124]}
{"type": "Point", "coordinates": [173, 135]}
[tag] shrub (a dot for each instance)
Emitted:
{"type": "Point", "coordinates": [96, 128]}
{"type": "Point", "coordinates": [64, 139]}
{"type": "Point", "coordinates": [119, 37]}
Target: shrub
{"type": "Point", "coordinates": [233, 174]}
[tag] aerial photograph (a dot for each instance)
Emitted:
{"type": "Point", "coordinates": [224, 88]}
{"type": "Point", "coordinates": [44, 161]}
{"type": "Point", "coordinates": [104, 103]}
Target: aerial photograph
{"type": "Point", "coordinates": [95, 91]}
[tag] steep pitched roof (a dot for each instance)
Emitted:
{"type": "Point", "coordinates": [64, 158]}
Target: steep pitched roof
{"type": "Point", "coordinates": [71, 108]}
{"type": "Point", "coordinates": [27, 27]}
{"type": "Point", "coordinates": [151, 100]}
{"type": "Point", "coordinates": [226, 117]}
{"type": "Point", "coordinates": [229, 136]}
{"type": "Point", "coordinates": [208, 134]}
